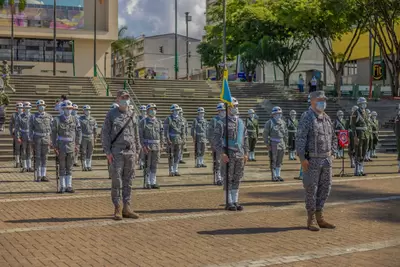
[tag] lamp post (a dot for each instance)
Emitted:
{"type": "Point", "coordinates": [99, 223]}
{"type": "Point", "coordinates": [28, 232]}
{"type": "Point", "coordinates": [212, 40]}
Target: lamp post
{"type": "Point", "coordinates": [72, 43]}
{"type": "Point", "coordinates": [188, 18]}
{"type": "Point", "coordinates": [12, 7]}
{"type": "Point", "coordinates": [54, 37]}
{"type": "Point", "coordinates": [105, 64]}
{"type": "Point", "coordinates": [176, 40]}
{"type": "Point", "coordinates": [95, 39]}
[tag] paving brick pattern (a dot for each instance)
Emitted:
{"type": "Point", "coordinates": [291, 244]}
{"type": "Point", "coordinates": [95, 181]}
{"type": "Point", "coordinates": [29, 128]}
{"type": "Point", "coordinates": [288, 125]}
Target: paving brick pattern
{"type": "Point", "coordinates": [184, 223]}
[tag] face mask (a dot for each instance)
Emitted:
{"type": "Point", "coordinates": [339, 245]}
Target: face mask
{"type": "Point", "coordinates": [41, 108]}
{"type": "Point", "coordinates": [86, 112]}
{"type": "Point", "coordinates": [124, 102]}
{"type": "Point", "coordinates": [152, 113]}
{"type": "Point", "coordinates": [222, 114]}
{"type": "Point", "coordinates": [234, 111]}
{"type": "Point", "coordinates": [293, 117]}
{"type": "Point", "coordinates": [251, 116]}
{"type": "Point", "coordinates": [175, 113]}
{"type": "Point", "coordinates": [201, 115]}
{"type": "Point", "coordinates": [364, 106]}
{"type": "Point", "coordinates": [27, 111]}
{"type": "Point", "coordinates": [340, 117]}
{"type": "Point", "coordinates": [373, 117]}
{"type": "Point", "coordinates": [321, 106]}
{"type": "Point", "coordinates": [67, 112]}
{"type": "Point", "coordinates": [20, 110]}
{"type": "Point", "coordinates": [73, 112]}
{"type": "Point", "coordinates": [277, 116]}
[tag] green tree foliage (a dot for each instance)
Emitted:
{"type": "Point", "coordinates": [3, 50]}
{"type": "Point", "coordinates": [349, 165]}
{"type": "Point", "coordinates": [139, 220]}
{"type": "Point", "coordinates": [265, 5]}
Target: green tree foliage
{"type": "Point", "coordinates": [21, 4]}
{"type": "Point", "coordinates": [382, 23]}
{"type": "Point", "coordinates": [211, 56]}
{"type": "Point", "coordinates": [249, 55]}
{"type": "Point", "coordinates": [326, 21]}
{"type": "Point", "coordinates": [123, 47]}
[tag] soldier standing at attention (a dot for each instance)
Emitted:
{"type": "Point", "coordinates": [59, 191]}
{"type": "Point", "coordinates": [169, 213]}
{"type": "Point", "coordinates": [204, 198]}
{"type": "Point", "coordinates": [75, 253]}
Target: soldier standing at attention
{"type": "Point", "coordinates": [340, 124]}
{"type": "Point", "coordinates": [292, 124]}
{"type": "Point", "coordinates": [184, 120]}
{"type": "Point", "coordinates": [375, 133]}
{"type": "Point", "coordinates": [66, 139]}
{"type": "Point", "coordinates": [151, 138]}
{"type": "Point", "coordinates": [39, 133]}
{"type": "Point", "coordinates": [89, 133]}
{"type": "Point", "coordinates": [276, 138]}
{"type": "Point", "coordinates": [120, 139]}
{"type": "Point", "coordinates": [217, 157]}
{"type": "Point", "coordinates": [316, 143]}
{"type": "Point", "coordinates": [12, 127]}
{"type": "Point", "coordinates": [252, 131]}
{"type": "Point", "coordinates": [174, 132]}
{"type": "Point", "coordinates": [140, 118]}
{"type": "Point", "coordinates": [74, 113]}
{"type": "Point", "coordinates": [359, 127]}
{"type": "Point", "coordinates": [6, 76]}
{"type": "Point", "coordinates": [199, 135]}
{"type": "Point", "coordinates": [4, 102]}
{"type": "Point", "coordinates": [350, 148]}
{"type": "Point", "coordinates": [397, 132]}
{"type": "Point", "coordinates": [369, 135]}
{"type": "Point", "coordinates": [22, 135]}
{"type": "Point", "coordinates": [238, 149]}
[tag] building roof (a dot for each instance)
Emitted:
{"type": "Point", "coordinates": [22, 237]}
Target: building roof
{"type": "Point", "coordinates": [171, 34]}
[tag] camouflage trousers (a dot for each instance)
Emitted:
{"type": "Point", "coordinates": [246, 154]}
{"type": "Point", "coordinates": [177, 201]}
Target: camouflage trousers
{"type": "Point", "coordinates": [374, 142]}
{"type": "Point", "coordinates": [17, 147]}
{"type": "Point", "coordinates": [26, 150]}
{"type": "Point", "coordinates": [87, 148]}
{"type": "Point", "coordinates": [235, 172]}
{"type": "Point", "coordinates": [361, 149]}
{"type": "Point", "coordinates": [41, 153]}
{"type": "Point", "coordinates": [292, 142]}
{"type": "Point", "coordinates": [153, 157]}
{"type": "Point", "coordinates": [398, 147]}
{"type": "Point", "coordinates": [277, 156]}
{"type": "Point", "coordinates": [66, 161]}
{"type": "Point", "coordinates": [217, 166]}
{"type": "Point", "coordinates": [201, 148]}
{"type": "Point", "coordinates": [317, 181]}
{"type": "Point", "coordinates": [122, 172]}
{"type": "Point", "coordinates": [252, 143]}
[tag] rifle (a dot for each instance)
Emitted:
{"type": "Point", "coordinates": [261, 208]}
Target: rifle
{"type": "Point", "coordinates": [195, 151]}
{"type": "Point", "coordinates": [270, 162]}
{"type": "Point", "coordinates": [81, 155]}
{"type": "Point", "coordinates": [145, 174]}
{"type": "Point", "coordinates": [215, 167]}
{"type": "Point", "coordinates": [170, 159]}
{"type": "Point", "coordinates": [57, 174]}
{"type": "Point", "coordinates": [34, 166]}
{"type": "Point", "coordinates": [14, 155]}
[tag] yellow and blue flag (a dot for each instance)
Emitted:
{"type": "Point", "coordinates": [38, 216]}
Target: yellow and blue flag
{"type": "Point", "coordinates": [225, 95]}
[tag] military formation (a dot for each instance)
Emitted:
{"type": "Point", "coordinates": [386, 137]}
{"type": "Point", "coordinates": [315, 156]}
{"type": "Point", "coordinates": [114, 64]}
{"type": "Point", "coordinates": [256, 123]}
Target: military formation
{"type": "Point", "coordinates": [131, 139]}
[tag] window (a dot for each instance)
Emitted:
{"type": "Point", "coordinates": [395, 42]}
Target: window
{"type": "Point", "coordinates": [350, 68]}
{"type": "Point", "coordinates": [37, 50]}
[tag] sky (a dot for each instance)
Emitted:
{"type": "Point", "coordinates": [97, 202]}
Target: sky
{"type": "Point", "coordinates": [158, 16]}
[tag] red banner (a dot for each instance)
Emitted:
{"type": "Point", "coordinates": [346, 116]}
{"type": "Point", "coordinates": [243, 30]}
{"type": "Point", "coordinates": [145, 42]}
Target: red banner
{"type": "Point", "coordinates": [343, 137]}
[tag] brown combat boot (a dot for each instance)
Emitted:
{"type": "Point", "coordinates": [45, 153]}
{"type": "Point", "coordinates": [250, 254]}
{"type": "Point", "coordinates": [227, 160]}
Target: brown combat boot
{"type": "Point", "coordinates": [117, 213]}
{"type": "Point", "coordinates": [311, 222]}
{"type": "Point", "coordinates": [128, 213]}
{"type": "Point", "coordinates": [321, 222]}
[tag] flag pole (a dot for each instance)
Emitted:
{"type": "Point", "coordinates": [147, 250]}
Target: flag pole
{"type": "Point", "coordinates": [226, 108]}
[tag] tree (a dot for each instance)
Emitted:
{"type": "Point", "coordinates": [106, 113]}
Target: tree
{"type": "Point", "coordinates": [249, 58]}
{"type": "Point", "coordinates": [211, 56]}
{"type": "Point", "coordinates": [326, 21]}
{"type": "Point", "coordinates": [123, 47]}
{"type": "Point", "coordinates": [382, 24]}
{"type": "Point", "coordinates": [11, 3]}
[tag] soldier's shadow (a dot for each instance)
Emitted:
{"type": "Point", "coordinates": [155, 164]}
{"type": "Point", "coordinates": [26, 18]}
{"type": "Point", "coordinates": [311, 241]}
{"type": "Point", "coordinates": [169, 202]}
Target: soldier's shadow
{"type": "Point", "coordinates": [57, 220]}
{"type": "Point", "coordinates": [250, 231]}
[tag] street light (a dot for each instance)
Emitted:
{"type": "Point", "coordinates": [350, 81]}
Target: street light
{"type": "Point", "coordinates": [188, 18]}
{"type": "Point", "coordinates": [105, 64]}
{"type": "Point", "coordinates": [176, 40]}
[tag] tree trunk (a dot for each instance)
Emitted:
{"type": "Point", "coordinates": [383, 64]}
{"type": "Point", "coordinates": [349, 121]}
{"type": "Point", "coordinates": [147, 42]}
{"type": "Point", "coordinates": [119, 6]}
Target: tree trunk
{"type": "Point", "coordinates": [263, 72]}
{"type": "Point", "coordinates": [338, 77]}
{"type": "Point", "coordinates": [123, 67]}
{"type": "Point", "coordinates": [286, 78]}
{"type": "Point", "coordinates": [396, 83]}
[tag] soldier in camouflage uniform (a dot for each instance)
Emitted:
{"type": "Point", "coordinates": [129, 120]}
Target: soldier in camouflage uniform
{"type": "Point", "coordinates": [359, 127]}
{"type": "Point", "coordinates": [151, 138]}
{"type": "Point", "coordinates": [6, 76]}
{"type": "Point", "coordinates": [120, 139]}
{"type": "Point", "coordinates": [350, 148]}
{"type": "Point", "coordinates": [369, 137]}
{"type": "Point", "coordinates": [199, 135]}
{"type": "Point", "coordinates": [4, 102]}
{"type": "Point", "coordinates": [174, 132]}
{"type": "Point", "coordinates": [184, 121]}
{"type": "Point", "coordinates": [74, 113]}
{"type": "Point", "coordinates": [276, 139]}
{"type": "Point", "coordinates": [66, 140]}
{"type": "Point", "coordinates": [396, 129]}
{"type": "Point", "coordinates": [340, 125]}
{"type": "Point", "coordinates": [252, 130]}
{"type": "Point", "coordinates": [292, 124]}
{"type": "Point", "coordinates": [375, 133]}
{"type": "Point", "coordinates": [217, 157]}
{"type": "Point", "coordinates": [40, 134]}
{"type": "Point", "coordinates": [89, 134]}
{"type": "Point", "coordinates": [12, 126]}
{"type": "Point", "coordinates": [23, 138]}
{"type": "Point", "coordinates": [238, 149]}
{"type": "Point", "coordinates": [140, 118]}
{"type": "Point", "coordinates": [316, 143]}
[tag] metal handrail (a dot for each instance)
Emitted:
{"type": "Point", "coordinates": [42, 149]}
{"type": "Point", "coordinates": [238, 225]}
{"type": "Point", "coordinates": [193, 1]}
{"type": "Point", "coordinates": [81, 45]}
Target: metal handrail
{"type": "Point", "coordinates": [134, 99]}
{"type": "Point", "coordinates": [103, 80]}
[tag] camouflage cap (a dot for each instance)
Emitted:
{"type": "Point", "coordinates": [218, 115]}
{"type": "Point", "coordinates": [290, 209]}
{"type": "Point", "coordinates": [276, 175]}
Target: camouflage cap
{"type": "Point", "coordinates": [318, 94]}
{"type": "Point", "coordinates": [122, 93]}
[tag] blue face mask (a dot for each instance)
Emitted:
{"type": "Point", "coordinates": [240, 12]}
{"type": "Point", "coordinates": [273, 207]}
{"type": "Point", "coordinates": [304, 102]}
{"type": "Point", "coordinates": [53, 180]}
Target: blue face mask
{"type": "Point", "coordinates": [321, 106]}
{"type": "Point", "coordinates": [364, 106]}
{"type": "Point", "coordinates": [74, 112]}
{"type": "Point", "coordinates": [67, 112]}
{"type": "Point", "coordinates": [152, 113]}
{"type": "Point", "coordinates": [124, 102]}
{"type": "Point", "coordinates": [41, 108]}
{"type": "Point", "coordinates": [175, 113]}
{"type": "Point", "coordinates": [277, 116]}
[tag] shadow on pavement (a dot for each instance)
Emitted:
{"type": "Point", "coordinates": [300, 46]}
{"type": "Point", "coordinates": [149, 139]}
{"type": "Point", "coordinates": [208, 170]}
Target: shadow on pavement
{"type": "Point", "coordinates": [250, 231]}
{"type": "Point", "coordinates": [384, 212]}
{"type": "Point", "coordinates": [55, 220]}
{"type": "Point", "coordinates": [175, 211]}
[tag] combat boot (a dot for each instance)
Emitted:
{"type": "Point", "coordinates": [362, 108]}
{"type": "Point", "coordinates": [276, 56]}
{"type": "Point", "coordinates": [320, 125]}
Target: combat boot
{"type": "Point", "coordinates": [117, 213]}
{"type": "Point", "coordinates": [44, 179]}
{"type": "Point", "coordinates": [311, 222]}
{"type": "Point", "coordinates": [128, 213]}
{"type": "Point", "coordinates": [155, 186]}
{"type": "Point", "coordinates": [321, 222]}
{"type": "Point", "coordinates": [231, 207]}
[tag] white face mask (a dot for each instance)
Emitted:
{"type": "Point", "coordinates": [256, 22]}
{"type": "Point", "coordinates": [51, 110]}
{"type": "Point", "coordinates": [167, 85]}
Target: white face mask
{"type": "Point", "coordinates": [222, 114]}
{"type": "Point", "coordinates": [234, 111]}
{"type": "Point", "coordinates": [27, 110]}
{"type": "Point", "coordinates": [277, 116]}
{"type": "Point", "coordinates": [201, 115]}
{"type": "Point", "coordinates": [86, 112]}
{"type": "Point", "coordinates": [20, 110]}
{"type": "Point", "coordinates": [363, 105]}
{"type": "Point", "coordinates": [340, 117]}
{"type": "Point", "coordinates": [176, 113]}
{"type": "Point", "coordinates": [67, 112]}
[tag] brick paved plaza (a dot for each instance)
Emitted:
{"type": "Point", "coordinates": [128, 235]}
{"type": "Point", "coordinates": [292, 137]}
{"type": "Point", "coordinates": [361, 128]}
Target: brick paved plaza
{"type": "Point", "coordinates": [184, 223]}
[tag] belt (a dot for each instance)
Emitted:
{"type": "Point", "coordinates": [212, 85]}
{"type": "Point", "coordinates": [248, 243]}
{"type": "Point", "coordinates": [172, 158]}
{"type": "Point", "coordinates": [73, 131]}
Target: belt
{"type": "Point", "coordinates": [251, 131]}
{"type": "Point", "coordinates": [320, 155]}
{"type": "Point", "coordinates": [277, 140]}
{"type": "Point", "coordinates": [65, 139]}
{"type": "Point", "coordinates": [24, 131]}
{"type": "Point", "coordinates": [173, 135]}
{"type": "Point", "coordinates": [151, 141]}
{"type": "Point", "coordinates": [200, 134]}
{"type": "Point", "coordinates": [87, 135]}
{"type": "Point", "coordinates": [375, 132]}
{"type": "Point", "coordinates": [362, 128]}
{"type": "Point", "coordinates": [337, 131]}
{"type": "Point", "coordinates": [292, 131]}
{"type": "Point", "coordinates": [41, 134]}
